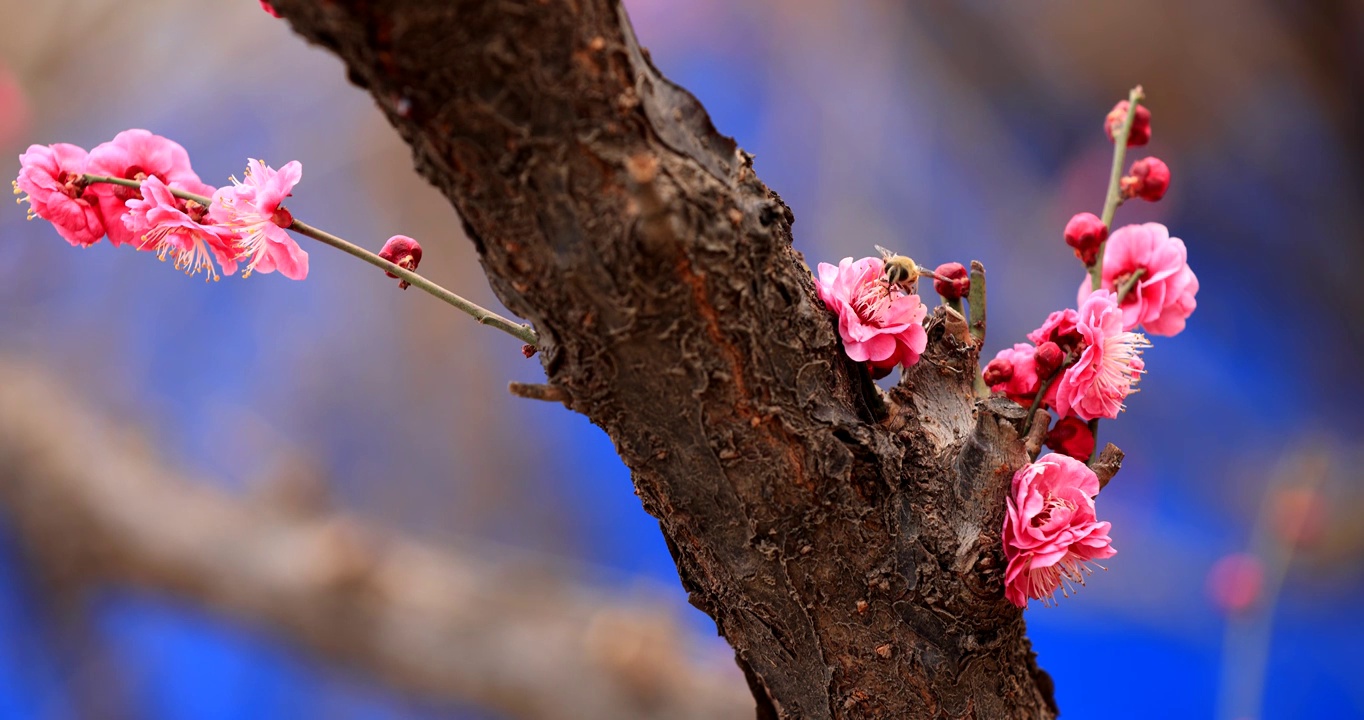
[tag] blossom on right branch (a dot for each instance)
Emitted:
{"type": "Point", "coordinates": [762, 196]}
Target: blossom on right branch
{"type": "Point", "coordinates": [880, 324]}
{"type": "Point", "coordinates": [1051, 533]}
{"type": "Point", "coordinates": [1163, 297]}
{"type": "Point", "coordinates": [1108, 365]}
{"type": "Point", "coordinates": [1013, 372]}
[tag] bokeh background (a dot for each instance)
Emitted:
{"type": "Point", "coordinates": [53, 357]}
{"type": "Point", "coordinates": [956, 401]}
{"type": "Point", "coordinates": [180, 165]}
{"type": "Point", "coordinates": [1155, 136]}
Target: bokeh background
{"type": "Point", "coordinates": [949, 130]}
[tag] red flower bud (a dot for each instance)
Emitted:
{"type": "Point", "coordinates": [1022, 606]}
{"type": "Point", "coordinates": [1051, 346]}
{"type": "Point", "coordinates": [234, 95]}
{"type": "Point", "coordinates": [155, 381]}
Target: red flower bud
{"type": "Point", "coordinates": [1000, 370]}
{"type": "Point", "coordinates": [404, 252]}
{"type": "Point", "coordinates": [1148, 179]}
{"type": "Point", "coordinates": [1048, 359]}
{"type": "Point", "coordinates": [952, 281]}
{"type": "Point", "coordinates": [1071, 436]}
{"type": "Point", "coordinates": [1085, 233]}
{"type": "Point", "coordinates": [1141, 124]}
{"type": "Point", "coordinates": [267, 7]}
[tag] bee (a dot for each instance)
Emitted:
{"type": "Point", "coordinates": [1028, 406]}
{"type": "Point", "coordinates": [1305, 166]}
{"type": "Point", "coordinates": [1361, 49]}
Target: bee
{"type": "Point", "coordinates": [901, 271]}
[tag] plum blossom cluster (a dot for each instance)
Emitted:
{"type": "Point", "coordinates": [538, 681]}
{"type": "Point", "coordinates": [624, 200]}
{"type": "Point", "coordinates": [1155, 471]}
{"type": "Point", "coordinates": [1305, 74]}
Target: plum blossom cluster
{"type": "Point", "coordinates": [1082, 363]}
{"type": "Point", "coordinates": [139, 189]}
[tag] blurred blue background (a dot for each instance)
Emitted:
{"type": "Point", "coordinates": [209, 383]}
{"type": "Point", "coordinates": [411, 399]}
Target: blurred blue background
{"type": "Point", "coordinates": [951, 131]}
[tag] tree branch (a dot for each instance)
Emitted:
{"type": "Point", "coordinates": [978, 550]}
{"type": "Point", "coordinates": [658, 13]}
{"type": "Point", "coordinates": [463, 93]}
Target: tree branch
{"type": "Point", "coordinates": [851, 558]}
{"type": "Point", "coordinates": [91, 508]}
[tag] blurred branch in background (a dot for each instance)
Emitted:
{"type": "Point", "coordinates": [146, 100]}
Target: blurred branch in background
{"type": "Point", "coordinates": [91, 505]}
{"type": "Point", "coordinates": [1248, 586]}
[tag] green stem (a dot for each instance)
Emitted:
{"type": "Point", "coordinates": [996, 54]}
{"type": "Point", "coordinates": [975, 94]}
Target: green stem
{"type": "Point", "coordinates": [1041, 393]}
{"type": "Point", "coordinates": [1129, 283]}
{"type": "Point", "coordinates": [1114, 197]}
{"type": "Point", "coordinates": [483, 315]}
{"type": "Point", "coordinates": [976, 297]}
{"type": "Point", "coordinates": [1094, 431]}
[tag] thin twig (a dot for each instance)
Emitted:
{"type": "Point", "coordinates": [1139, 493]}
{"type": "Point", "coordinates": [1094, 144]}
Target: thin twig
{"type": "Point", "coordinates": [539, 391]}
{"type": "Point", "coordinates": [1114, 196]}
{"type": "Point", "coordinates": [976, 297]}
{"type": "Point", "coordinates": [1129, 283]}
{"type": "Point", "coordinates": [483, 315]}
{"type": "Point", "coordinates": [1042, 393]}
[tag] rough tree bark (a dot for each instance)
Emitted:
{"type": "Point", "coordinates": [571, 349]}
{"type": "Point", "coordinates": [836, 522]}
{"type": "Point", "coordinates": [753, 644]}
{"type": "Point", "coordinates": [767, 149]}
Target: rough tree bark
{"type": "Point", "coordinates": [846, 546]}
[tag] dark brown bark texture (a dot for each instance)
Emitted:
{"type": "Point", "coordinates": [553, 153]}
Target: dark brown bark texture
{"type": "Point", "coordinates": [846, 545]}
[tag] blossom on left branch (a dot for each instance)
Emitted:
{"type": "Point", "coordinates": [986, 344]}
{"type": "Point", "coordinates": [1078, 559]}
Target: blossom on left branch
{"type": "Point", "coordinates": [51, 181]}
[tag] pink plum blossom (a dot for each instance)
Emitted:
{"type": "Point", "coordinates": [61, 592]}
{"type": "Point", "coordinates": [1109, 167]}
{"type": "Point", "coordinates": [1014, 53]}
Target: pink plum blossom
{"type": "Point", "coordinates": [175, 227]}
{"type": "Point", "coordinates": [134, 155]}
{"type": "Point", "coordinates": [56, 192]}
{"type": "Point", "coordinates": [1108, 365]}
{"type": "Point", "coordinates": [1021, 384]}
{"type": "Point", "coordinates": [1059, 327]}
{"type": "Point", "coordinates": [1051, 533]}
{"type": "Point", "coordinates": [1163, 297]}
{"type": "Point", "coordinates": [879, 324]}
{"type": "Point", "coordinates": [252, 208]}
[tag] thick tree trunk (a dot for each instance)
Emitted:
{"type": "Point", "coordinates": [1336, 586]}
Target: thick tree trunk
{"type": "Point", "coordinates": [847, 546]}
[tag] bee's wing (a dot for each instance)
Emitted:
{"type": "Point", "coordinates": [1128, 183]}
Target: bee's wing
{"type": "Point", "coordinates": [886, 254]}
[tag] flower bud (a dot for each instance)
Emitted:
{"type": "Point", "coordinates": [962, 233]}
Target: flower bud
{"type": "Point", "coordinates": [1141, 124]}
{"type": "Point", "coordinates": [1085, 233]}
{"type": "Point", "coordinates": [1000, 370]}
{"type": "Point", "coordinates": [1148, 179]}
{"type": "Point", "coordinates": [404, 252]}
{"type": "Point", "coordinates": [1071, 436]}
{"type": "Point", "coordinates": [1048, 359]}
{"type": "Point", "coordinates": [952, 281]}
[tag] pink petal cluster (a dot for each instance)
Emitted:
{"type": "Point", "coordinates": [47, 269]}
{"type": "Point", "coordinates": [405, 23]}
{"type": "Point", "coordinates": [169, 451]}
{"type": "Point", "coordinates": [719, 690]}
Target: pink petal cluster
{"type": "Point", "coordinates": [1163, 297]}
{"type": "Point", "coordinates": [1059, 327]}
{"type": "Point", "coordinates": [1051, 533]}
{"type": "Point", "coordinates": [244, 222]}
{"type": "Point", "coordinates": [134, 155]}
{"type": "Point", "coordinates": [879, 324]}
{"type": "Point", "coordinates": [175, 227]}
{"type": "Point", "coordinates": [1014, 373]}
{"type": "Point", "coordinates": [50, 175]}
{"type": "Point", "coordinates": [1108, 365]}
{"type": "Point", "coordinates": [253, 208]}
